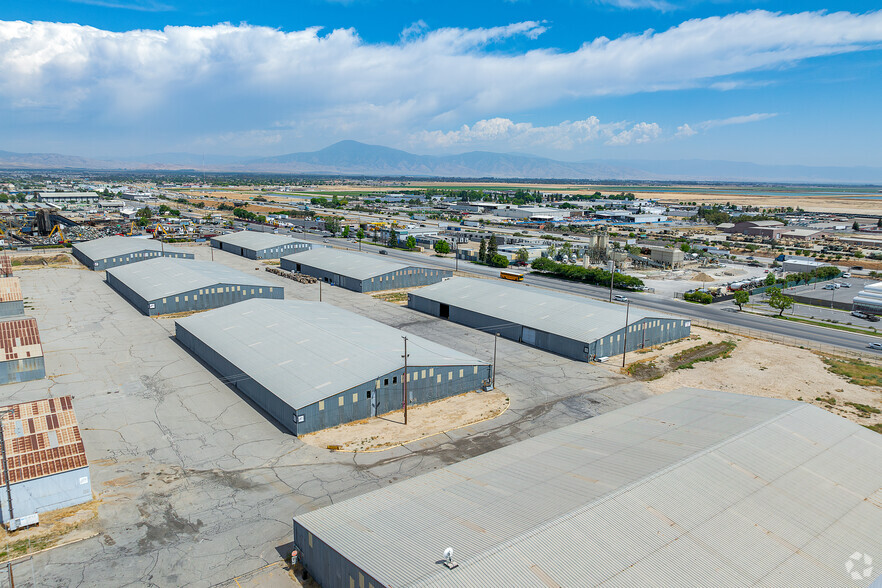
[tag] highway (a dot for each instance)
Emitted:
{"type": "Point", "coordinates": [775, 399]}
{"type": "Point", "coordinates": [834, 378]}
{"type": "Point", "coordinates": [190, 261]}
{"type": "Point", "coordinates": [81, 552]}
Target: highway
{"type": "Point", "coordinates": [795, 330]}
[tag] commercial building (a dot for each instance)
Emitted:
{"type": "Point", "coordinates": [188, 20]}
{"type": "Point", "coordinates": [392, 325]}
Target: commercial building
{"type": "Point", "coordinates": [45, 458]}
{"type": "Point", "coordinates": [5, 266]}
{"type": "Point", "coordinates": [804, 234]}
{"type": "Point", "coordinates": [533, 213]}
{"type": "Point", "coordinates": [164, 286]}
{"type": "Point", "coordinates": [768, 229]}
{"type": "Point", "coordinates": [11, 299]}
{"type": "Point", "coordinates": [312, 365]}
{"type": "Point", "coordinates": [669, 257]}
{"type": "Point", "coordinates": [60, 199]}
{"type": "Point", "coordinates": [572, 326]}
{"type": "Point", "coordinates": [869, 300]}
{"type": "Point", "coordinates": [802, 265]}
{"type": "Point", "coordinates": [108, 252]}
{"type": "Point", "coordinates": [361, 272]}
{"type": "Point", "coordinates": [258, 245]}
{"type": "Point", "coordinates": [690, 488]}
{"type": "Point", "coordinates": [21, 358]}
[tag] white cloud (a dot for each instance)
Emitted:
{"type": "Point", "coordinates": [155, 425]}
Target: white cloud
{"type": "Point", "coordinates": [561, 137]}
{"type": "Point", "coordinates": [685, 130]}
{"type": "Point", "coordinates": [736, 120]}
{"type": "Point", "coordinates": [661, 5]}
{"type": "Point", "coordinates": [225, 77]}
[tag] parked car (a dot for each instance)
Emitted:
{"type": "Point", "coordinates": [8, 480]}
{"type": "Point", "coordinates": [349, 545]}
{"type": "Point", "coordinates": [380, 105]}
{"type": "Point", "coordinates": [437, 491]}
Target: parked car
{"type": "Point", "coordinates": [873, 318]}
{"type": "Point", "coordinates": [858, 314]}
{"type": "Point", "coordinates": [383, 252]}
{"type": "Point", "coordinates": [830, 287]}
{"type": "Point", "coordinates": [619, 298]}
{"type": "Point", "coordinates": [845, 285]}
{"type": "Point", "coordinates": [876, 346]}
{"type": "Point", "coordinates": [846, 275]}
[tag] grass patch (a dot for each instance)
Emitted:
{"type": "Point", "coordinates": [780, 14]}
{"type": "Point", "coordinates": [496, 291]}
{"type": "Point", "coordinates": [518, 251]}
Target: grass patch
{"type": "Point", "coordinates": [395, 297]}
{"type": "Point", "coordinates": [686, 359]}
{"type": "Point", "coordinates": [865, 409]}
{"type": "Point", "coordinates": [877, 427]}
{"type": "Point", "coordinates": [828, 325]}
{"type": "Point", "coordinates": [829, 400]}
{"type": "Point", "coordinates": [855, 371]}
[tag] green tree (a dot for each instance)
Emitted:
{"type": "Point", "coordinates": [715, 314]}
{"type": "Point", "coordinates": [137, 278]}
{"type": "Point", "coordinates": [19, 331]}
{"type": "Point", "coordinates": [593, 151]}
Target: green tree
{"type": "Point", "coordinates": [497, 260]}
{"type": "Point", "coordinates": [742, 297]}
{"type": "Point", "coordinates": [410, 242]}
{"type": "Point", "coordinates": [684, 247]}
{"type": "Point", "coordinates": [492, 246]}
{"type": "Point", "coordinates": [778, 300]}
{"type": "Point", "coordinates": [360, 234]}
{"type": "Point", "coordinates": [856, 226]}
{"type": "Point", "coordinates": [346, 232]}
{"type": "Point", "coordinates": [879, 223]}
{"type": "Point", "coordinates": [199, 204]}
{"type": "Point", "coordinates": [523, 255]}
{"type": "Point", "coordinates": [332, 225]}
{"type": "Point", "coordinates": [482, 251]}
{"type": "Point", "coordinates": [145, 213]}
{"type": "Point", "coordinates": [442, 247]}
{"type": "Point", "coordinates": [393, 238]}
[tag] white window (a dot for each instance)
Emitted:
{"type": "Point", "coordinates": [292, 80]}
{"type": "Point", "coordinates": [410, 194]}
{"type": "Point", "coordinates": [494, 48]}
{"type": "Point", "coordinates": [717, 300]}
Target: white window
{"type": "Point", "coordinates": [177, 299]}
{"type": "Point", "coordinates": [354, 397]}
{"type": "Point", "coordinates": [476, 369]}
{"type": "Point", "coordinates": [163, 300]}
{"type": "Point", "coordinates": [321, 405]}
{"type": "Point", "coordinates": [460, 373]}
{"type": "Point", "coordinates": [340, 401]}
{"type": "Point", "coordinates": [439, 378]}
{"type": "Point", "coordinates": [431, 372]}
{"type": "Point", "coordinates": [416, 376]}
{"type": "Point", "coordinates": [450, 375]}
{"type": "Point", "coordinates": [424, 374]}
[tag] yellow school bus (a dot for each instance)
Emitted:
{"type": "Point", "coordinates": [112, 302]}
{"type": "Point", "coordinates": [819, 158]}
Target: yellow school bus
{"type": "Point", "coordinates": [514, 276]}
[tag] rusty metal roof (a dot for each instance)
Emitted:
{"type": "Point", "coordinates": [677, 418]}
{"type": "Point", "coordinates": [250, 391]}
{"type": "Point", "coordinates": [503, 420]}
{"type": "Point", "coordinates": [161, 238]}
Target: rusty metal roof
{"type": "Point", "coordinates": [5, 266]}
{"type": "Point", "coordinates": [20, 339]}
{"type": "Point", "coordinates": [10, 289]}
{"type": "Point", "coordinates": [41, 438]}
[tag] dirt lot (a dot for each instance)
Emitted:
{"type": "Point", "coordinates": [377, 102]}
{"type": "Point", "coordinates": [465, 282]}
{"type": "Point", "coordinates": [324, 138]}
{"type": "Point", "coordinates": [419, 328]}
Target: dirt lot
{"type": "Point", "coordinates": [56, 258]}
{"type": "Point", "coordinates": [760, 368]}
{"type": "Point", "coordinates": [61, 526]}
{"type": "Point", "coordinates": [388, 430]}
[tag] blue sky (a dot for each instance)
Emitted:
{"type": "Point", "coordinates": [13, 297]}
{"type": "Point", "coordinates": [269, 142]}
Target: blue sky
{"type": "Point", "coordinates": [571, 79]}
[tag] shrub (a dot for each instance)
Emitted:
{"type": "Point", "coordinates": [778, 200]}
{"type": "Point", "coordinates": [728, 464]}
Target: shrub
{"type": "Point", "coordinates": [700, 297]}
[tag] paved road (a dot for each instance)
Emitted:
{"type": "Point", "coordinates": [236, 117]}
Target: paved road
{"type": "Point", "coordinates": [826, 336]}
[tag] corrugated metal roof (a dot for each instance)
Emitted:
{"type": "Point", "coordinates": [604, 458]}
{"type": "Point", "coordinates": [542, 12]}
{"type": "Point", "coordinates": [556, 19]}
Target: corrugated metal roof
{"type": "Point", "coordinates": [304, 352]}
{"type": "Point", "coordinates": [164, 276]}
{"type": "Point", "coordinates": [41, 438]}
{"type": "Point", "coordinates": [5, 266]}
{"type": "Point", "coordinates": [257, 240]}
{"type": "Point", "coordinates": [567, 315]}
{"type": "Point", "coordinates": [693, 487]}
{"type": "Point", "coordinates": [115, 246]}
{"type": "Point", "coordinates": [10, 289]}
{"type": "Point", "coordinates": [20, 339]}
{"type": "Point", "coordinates": [360, 266]}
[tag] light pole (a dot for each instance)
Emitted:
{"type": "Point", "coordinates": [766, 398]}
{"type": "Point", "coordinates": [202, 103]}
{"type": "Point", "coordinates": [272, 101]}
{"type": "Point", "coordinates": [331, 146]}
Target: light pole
{"type": "Point", "coordinates": [404, 380]}
{"type": "Point", "coordinates": [495, 340]}
{"type": "Point", "coordinates": [320, 289]}
{"type": "Point", "coordinates": [10, 412]}
{"type": "Point", "coordinates": [625, 346]}
{"type": "Point", "coordinates": [612, 273]}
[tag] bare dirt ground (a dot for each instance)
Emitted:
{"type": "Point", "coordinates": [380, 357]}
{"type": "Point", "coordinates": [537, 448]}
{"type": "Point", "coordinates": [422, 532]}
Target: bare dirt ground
{"type": "Point", "coordinates": [761, 368]}
{"type": "Point", "coordinates": [30, 260]}
{"type": "Point", "coordinates": [388, 430]}
{"type": "Point", "coordinates": [56, 528]}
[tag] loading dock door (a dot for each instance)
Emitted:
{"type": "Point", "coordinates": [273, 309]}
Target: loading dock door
{"type": "Point", "coordinates": [374, 398]}
{"type": "Point", "coordinates": [528, 336]}
{"type": "Point", "coordinates": [444, 311]}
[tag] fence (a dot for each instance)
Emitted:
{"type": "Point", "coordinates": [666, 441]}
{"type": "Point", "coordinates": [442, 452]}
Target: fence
{"type": "Point", "coordinates": [868, 357]}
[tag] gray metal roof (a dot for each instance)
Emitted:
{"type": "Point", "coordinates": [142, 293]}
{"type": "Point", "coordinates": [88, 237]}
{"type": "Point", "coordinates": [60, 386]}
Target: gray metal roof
{"type": "Point", "coordinates": [360, 266]}
{"type": "Point", "coordinates": [304, 352]}
{"type": "Point", "coordinates": [256, 240]}
{"type": "Point", "coordinates": [567, 315]}
{"type": "Point", "coordinates": [691, 488]}
{"type": "Point", "coordinates": [115, 246]}
{"type": "Point", "coordinates": [165, 276]}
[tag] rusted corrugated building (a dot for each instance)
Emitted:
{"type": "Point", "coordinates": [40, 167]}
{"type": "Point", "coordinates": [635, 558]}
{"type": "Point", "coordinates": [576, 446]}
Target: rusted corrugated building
{"type": "Point", "coordinates": [11, 299]}
{"type": "Point", "coordinates": [45, 458]}
{"type": "Point", "coordinates": [21, 357]}
{"type": "Point", "coordinates": [5, 266]}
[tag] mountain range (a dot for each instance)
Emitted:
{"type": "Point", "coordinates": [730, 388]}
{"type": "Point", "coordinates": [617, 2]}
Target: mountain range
{"type": "Point", "coordinates": [354, 158]}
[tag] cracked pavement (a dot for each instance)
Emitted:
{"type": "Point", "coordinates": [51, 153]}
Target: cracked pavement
{"type": "Point", "coordinates": [196, 484]}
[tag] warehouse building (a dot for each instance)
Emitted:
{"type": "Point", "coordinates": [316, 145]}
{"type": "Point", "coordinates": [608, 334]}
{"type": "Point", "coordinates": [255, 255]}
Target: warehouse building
{"type": "Point", "coordinates": [312, 366]}
{"type": "Point", "coordinates": [45, 458]}
{"type": "Point", "coordinates": [257, 245]}
{"type": "Point", "coordinates": [60, 199]}
{"type": "Point", "coordinates": [22, 357]}
{"type": "Point", "coordinates": [690, 488]}
{"type": "Point", "coordinates": [11, 299]}
{"type": "Point", "coordinates": [107, 252]}
{"type": "Point", "coordinates": [5, 266]}
{"type": "Point", "coordinates": [164, 286]}
{"type": "Point", "coordinates": [361, 272]}
{"type": "Point", "coordinates": [572, 326]}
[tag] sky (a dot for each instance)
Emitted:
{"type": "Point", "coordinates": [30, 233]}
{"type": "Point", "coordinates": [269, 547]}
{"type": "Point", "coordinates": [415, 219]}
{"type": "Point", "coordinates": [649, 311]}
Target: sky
{"type": "Point", "coordinates": [575, 80]}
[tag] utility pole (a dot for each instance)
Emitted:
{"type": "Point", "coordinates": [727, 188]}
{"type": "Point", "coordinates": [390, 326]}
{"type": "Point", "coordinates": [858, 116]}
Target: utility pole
{"type": "Point", "coordinates": [625, 347]}
{"type": "Point", "coordinates": [404, 380]}
{"type": "Point", "coordinates": [612, 273]}
{"type": "Point", "coordinates": [320, 289]}
{"type": "Point", "coordinates": [10, 412]}
{"type": "Point", "coordinates": [495, 340]}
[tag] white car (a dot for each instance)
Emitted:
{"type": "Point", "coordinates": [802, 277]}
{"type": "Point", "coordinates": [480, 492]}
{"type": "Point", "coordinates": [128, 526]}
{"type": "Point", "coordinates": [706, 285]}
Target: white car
{"type": "Point", "coordinates": [619, 298]}
{"type": "Point", "coordinates": [876, 346]}
{"type": "Point", "coordinates": [846, 274]}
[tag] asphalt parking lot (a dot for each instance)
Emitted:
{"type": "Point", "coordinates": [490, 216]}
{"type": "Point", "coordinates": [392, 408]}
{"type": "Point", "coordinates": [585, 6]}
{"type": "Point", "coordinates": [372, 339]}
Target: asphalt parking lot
{"type": "Point", "coordinates": [196, 485]}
